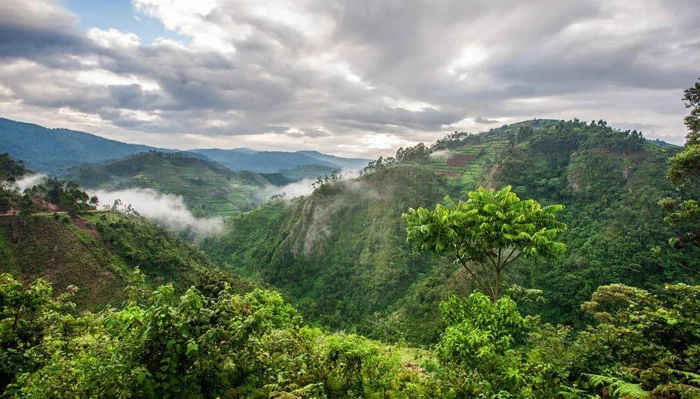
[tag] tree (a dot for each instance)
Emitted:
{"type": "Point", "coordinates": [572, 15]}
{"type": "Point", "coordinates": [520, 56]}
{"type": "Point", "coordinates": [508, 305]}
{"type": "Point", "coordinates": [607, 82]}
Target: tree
{"type": "Point", "coordinates": [685, 167]}
{"type": "Point", "coordinates": [684, 172]}
{"type": "Point", "coordinates": [490, 230]}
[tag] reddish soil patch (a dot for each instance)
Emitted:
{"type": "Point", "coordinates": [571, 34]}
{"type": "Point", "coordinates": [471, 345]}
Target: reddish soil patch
{"type": "Point", "coordinates": [414, 367]}
{"type": "Point", "coordinates": [87, 227]}
{"type": "Point", "coordinates": [460, 159]}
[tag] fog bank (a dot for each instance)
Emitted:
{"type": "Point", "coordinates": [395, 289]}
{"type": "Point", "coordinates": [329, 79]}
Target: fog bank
{"type": "Point", "coordinates": [167, 210]}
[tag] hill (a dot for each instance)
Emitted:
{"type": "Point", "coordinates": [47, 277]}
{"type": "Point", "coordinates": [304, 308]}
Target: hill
{"type": "Point", "coordinates": [207, 187]}
{"type": "Point", "coordinates": [276, 161]}
{"type": "Point", "coordinates": [340, 254]}
{"type": "Point", "coordinates": [96, 253]}
{"type": "Point", "coordinates": [53, 151]}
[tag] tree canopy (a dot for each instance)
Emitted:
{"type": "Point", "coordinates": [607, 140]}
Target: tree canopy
{"type": "Point", "coordinates": [490, 230]}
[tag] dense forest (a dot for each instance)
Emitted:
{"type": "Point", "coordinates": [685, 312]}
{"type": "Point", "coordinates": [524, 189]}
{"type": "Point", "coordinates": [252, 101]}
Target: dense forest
{"type": "Point", "coordinates": [544, 259]}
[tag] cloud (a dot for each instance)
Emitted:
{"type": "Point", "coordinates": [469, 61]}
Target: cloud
{"type": "Point", "coordinates": [29, 181]}
{"type": "Point", "coordinates": [167, 210]}
{"type": "Point", "coordinates": [306, 186]}
{"type": "Point", "coordinates": [333, 76]}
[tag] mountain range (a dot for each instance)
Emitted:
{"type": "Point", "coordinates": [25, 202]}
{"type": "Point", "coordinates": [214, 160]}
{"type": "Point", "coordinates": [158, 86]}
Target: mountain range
{"type": "Point", "coordinates": [54, 151]}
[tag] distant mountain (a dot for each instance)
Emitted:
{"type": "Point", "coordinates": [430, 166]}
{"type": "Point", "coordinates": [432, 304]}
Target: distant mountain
{"type": "Point", "coordinates": [53, 151]}
{"type": "Point", "coordinates": [344, 163]}
{"type": "Point", "coordinates": [275, 161]}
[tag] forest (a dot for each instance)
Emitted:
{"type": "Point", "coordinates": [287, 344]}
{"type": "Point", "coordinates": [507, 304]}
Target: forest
{"type": "Point", "coordinates": [544, 259]}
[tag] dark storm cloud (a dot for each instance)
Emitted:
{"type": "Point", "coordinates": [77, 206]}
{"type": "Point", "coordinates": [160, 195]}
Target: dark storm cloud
{"type": "Point", "coordinates": [350, 73]}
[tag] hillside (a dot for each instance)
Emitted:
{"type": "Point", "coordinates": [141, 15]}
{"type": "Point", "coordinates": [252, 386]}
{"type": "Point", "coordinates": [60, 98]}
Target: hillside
{"type": "Point", "coordinates": [53, 151]}
{"type": "Point", "coordinates": [96, 253]}
{"type": "Point", "coordinates": [276, 161]}
{"type": "Point", "coordinates": [340, 253]}
{"type": "Point", "coordinates": [207, 187]}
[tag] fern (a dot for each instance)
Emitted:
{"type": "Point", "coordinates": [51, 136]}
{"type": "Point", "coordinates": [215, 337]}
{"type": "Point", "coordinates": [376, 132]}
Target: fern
{"type": "Point", "coordinates": [575, 393]}
{"type": "Point", "coordinates": [619, 388]}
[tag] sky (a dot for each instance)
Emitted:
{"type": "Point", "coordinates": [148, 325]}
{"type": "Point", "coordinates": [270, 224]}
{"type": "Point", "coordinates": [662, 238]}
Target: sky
{"type": "Point", "coordinates": [352, 78]}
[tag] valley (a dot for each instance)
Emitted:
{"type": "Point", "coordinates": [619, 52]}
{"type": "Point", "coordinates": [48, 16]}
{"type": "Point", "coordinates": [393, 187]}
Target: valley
{"type": "Point", "coordinates": [338, 256]}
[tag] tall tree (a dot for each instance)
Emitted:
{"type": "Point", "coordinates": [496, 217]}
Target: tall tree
{"type": "Point", "coordinates": [487, 233]}
{"type": "Point", "coordinates": [684, 172]}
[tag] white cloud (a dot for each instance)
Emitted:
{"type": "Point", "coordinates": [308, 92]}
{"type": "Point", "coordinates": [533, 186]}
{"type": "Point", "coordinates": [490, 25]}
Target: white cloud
{"type": "Point", "coordinates": [167, 210]}
{"type": "Point", "coordinates": [375, 74]}
{"type": "Point", "coordinates": [30, 181]}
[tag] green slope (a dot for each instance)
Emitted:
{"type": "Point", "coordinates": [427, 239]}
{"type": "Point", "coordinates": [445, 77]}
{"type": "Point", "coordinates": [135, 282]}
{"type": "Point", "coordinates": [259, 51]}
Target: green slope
{"type": "Point", "coordinates": [207, 187]}
{"type": "Point", "coordinates": [96, 254]}
{"type": "Point", "coordinates": [340, 253]}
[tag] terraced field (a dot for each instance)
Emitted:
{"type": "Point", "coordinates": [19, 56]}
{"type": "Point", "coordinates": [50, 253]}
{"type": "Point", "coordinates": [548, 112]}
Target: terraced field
{"type": "Point", "coordinates": [462, 166]}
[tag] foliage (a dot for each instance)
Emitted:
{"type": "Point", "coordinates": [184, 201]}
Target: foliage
{"type": "Point", "coordinates": [492, 229]}
{"type": "Point", "coordinates": [643, 345]}
{"type": "Point", "coordinates": [161, 345]}
{"type": "Point", "coordinates": [341, 256]}
{"type": "Point", "coordinates": [684, 171]}
{"type": "Point", "coordinates": [207, 187]}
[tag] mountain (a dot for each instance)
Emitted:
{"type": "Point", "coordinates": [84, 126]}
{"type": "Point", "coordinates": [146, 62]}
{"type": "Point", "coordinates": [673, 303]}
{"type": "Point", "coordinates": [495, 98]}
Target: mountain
{"type": "Point", "coordinates": [53, 151]}
{"type": "Point", "coordinates": [343, 163]}
{"type": "Point", "coordinates": [275, 161]}
{"type": "Point", "coordinates": [207, 187]}
{"type": "Point", "coordinates": [340, 254]}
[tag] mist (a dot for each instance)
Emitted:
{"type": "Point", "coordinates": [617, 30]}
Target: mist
{"type": "Point", "coordinates": [30, 181]}
{"type": "Point", "coordinates": [305, 186]}
{"type": "Point", "coordinates": [439, 154]}
{"type": "Point", "coordinates": [167, 210]}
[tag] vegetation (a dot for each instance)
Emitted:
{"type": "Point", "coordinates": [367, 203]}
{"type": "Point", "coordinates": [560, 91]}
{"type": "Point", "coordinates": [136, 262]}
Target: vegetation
{"type": "Point", "coordinates": [492, 230]}
{"type": "Point", "coordinates": [572, 295]}
{"type": "Point", "coordinates": [255, 345]}
{"type": "Point", "coordinates": [684, 216]}
{"type": "Point", "coordinates": [164, 346]}
{"type": "Point", "coordinates": [207, 187]}
{"type": "Point", "coordinates": [340, 255]}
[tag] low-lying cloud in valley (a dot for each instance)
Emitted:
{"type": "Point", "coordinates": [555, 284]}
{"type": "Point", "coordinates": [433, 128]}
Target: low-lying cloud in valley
{"type": "Point", "coordinates": [167, 210]}
{"type": "Point", "coordinates": [30, 181]}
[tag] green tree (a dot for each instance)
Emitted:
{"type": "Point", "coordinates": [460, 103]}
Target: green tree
{"type": "Point", "coordinates": [684, 172]}
{"type": "Point", "coordinates": [487, 233]}
{"type": "Point", "coordinates": [643, 345]}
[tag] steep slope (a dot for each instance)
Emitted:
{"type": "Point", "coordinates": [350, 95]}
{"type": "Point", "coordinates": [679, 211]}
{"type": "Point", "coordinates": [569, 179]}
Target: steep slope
{"type": "Point", "coordinates": [96, 254]}
{"type": "Point", "coordinates": [340, 253]}
{"type": "Point", "coordinates": [207, 187]}
{"type": "Point", "coordinates": [53, 151]}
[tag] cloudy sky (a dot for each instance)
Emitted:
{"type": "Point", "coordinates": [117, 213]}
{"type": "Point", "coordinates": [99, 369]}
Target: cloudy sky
{"type": "Point", "coordinates": [354, 77]}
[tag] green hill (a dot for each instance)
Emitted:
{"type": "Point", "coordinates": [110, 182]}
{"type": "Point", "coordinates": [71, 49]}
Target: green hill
{"type": "Point", "coordinates": [96, 253]}
{"type": "Point", "coordinates": [207, 187]}
{"type": "Point", "coordinates": [340, 253]}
